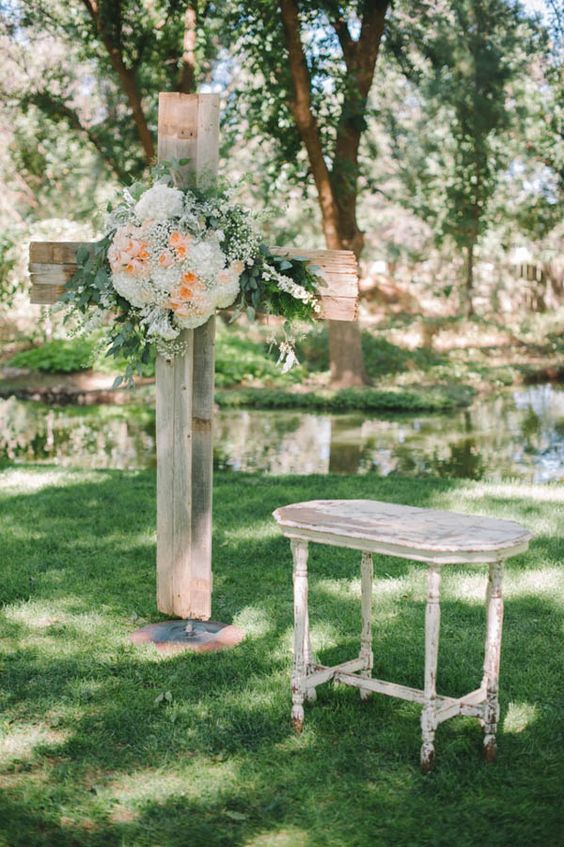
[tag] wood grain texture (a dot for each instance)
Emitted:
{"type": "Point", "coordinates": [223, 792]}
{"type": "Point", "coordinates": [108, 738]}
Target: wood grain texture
{"type": "Point", "coordinates": [53, 263]}
{"type": "Point", "coordinates": [188, 129]}
{"type": "Point", "coordinates": [174, 488]}
{"type": "Point", "coordinates": [405, 531]}
{"type": "Point", "coordinates": [202, 467]}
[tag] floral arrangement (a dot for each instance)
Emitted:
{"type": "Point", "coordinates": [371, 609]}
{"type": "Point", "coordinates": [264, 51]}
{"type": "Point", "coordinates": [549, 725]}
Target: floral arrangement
{"type": "Point", "coordinates": [169, 259]}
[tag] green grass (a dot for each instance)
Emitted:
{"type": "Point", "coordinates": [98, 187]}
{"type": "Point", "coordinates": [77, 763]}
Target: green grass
{"type": "Point", "coordinates": [91, 754]}
{"type": "Point", "coordinates": [431, 399]}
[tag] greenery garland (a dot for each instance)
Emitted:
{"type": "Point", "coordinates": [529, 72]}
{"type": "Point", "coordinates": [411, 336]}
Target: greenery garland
{"type": "Point", "coordinates": [170, 258]}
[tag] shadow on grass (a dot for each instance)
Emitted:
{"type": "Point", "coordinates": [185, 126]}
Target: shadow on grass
{"type": "Point", "coordinates": [219, 765]}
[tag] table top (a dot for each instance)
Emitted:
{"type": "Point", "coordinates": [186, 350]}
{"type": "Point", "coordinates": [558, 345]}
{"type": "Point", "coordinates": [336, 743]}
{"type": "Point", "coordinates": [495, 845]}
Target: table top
{"type": "Point", "coordinates": [408, 531]}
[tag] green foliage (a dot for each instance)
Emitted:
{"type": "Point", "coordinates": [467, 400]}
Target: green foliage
{"type": "Point", "coordinates": [73, 355]}
{"type": "Point", "coordinates": [349, 399]}
{"type": "Point", "coordinates": [381, 357]}
{"type": "Point", "coordinates": [239, 359]}
{"type": "Point", "coordinates": [58, 356]}
{"type": "Point", "coordinates": [463, 147]}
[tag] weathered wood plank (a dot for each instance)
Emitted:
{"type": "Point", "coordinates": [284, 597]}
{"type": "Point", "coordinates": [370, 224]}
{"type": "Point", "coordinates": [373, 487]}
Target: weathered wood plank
{"type": "Point", "coordinates": [174, 489]}
{"type": "Point", "coordinates": [56, 252]}
{"type": "Point", "coordinates": [202, 468]}
{"type": "Point", "coordinates": [53, 263]}
{"type": "Point", "coordinates": [189, 129]}
{"type": "Point", "coordinates": [408, 528]}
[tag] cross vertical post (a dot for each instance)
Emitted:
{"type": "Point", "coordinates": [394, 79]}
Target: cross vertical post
{"type": "Point", "coordinates": [188, 129]}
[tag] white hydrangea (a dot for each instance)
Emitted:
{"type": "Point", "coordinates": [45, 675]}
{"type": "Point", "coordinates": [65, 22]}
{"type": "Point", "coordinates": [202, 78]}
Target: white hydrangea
{"type": "Point", "coordinates": [227, 289]}
{"type": "Point", "coordinates": [207, 257]}
{"type": "Point", "coordinates": [159, 203]}
{"type": "Point", "coordinates": [138, 291]}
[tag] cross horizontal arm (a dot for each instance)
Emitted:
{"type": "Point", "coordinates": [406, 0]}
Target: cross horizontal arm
{"type": "Point", "coordinates": [53, 263]}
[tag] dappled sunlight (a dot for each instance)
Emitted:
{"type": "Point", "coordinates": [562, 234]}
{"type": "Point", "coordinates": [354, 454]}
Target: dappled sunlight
{"type": "Point", "coordinates": [283, 838]}
{"type": "Point", "coordinates": [256, 530]}
{"type": "Point", "coordinates": [195, 778]}
{"type": "Point", "coordinates": [44, 614]}
{"type": "Point", "coordinates": [18, 741]}
{"type": "Point", "coordinates": [255, 621]}
{"type": "Point", "coordinates": [513, 491]}
{"type": "Point", "coordinates": [519, 717]}
{"type": "Point", "coordinates": [27, 481]}
{"type": "Point", "coordinates": [391, 587]}
{"type": "Point", "coordinates": [471, 588]}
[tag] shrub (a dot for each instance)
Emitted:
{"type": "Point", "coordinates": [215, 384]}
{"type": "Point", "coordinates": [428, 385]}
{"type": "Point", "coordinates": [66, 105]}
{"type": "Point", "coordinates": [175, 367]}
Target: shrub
{"type": "Point", "coordinates": [381, 357]}
{"type": "Point", "coordinates": [58, 356]}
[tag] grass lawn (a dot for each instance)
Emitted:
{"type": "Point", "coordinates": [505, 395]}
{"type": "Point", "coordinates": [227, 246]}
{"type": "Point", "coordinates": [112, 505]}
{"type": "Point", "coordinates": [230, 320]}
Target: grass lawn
{"type": "Point", "coordinates": [92, 754]}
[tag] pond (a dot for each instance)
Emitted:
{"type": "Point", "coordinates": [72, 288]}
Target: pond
{"type": "Point", "coordinates": [516, 434]}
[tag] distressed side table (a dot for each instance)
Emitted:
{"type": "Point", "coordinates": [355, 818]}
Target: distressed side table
{"type": "Point", "coordinates": [427, 535]}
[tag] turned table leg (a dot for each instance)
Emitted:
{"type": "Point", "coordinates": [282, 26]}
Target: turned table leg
{"type": "Point", "coordinates": [366, 574]}
{"type": "Point", "coordinates": [301, 635]}
{"type": "Point", "coordinates": [432, 625]}
{"type": "Point", "coordinates": [494, 603]}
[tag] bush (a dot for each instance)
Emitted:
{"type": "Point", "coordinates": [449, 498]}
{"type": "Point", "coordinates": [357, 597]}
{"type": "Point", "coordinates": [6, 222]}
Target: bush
{"type": "Point", "coordinates": [349, 399]}
{"type": "Point", "coordinates": [71, 356]}
{"type": "Point", "coordinates": [76, 354]}
{"type": "Point", "coordinates": [239, 359]}
{"type": "Point", "coordinates": [380, 356]}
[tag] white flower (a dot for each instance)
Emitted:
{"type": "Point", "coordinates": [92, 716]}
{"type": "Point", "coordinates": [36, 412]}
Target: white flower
{"type": "Point", "coordinates": [227, 288]}
{"type": "Point", "coordinates": [287, 357]}
{"type": "Point", "coordinates": [160, 202]}
{"type": "Point", "coordinates": [207, 258]}
{"type": "Point", "coordinates": [159, 326]}
{"type": "Point", "coordinates": [139, 292]}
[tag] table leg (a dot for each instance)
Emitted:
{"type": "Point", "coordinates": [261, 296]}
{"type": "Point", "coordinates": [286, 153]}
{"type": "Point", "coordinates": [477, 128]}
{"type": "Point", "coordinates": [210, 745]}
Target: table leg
{"type": "Point", "coordinates": [299, 554]}
{"type": "Point", "coordinates": [494, 603]}
{"type": "Point", "coordinates": [432, 625]}
{"type": "Point", "coordinates": [366, 574]}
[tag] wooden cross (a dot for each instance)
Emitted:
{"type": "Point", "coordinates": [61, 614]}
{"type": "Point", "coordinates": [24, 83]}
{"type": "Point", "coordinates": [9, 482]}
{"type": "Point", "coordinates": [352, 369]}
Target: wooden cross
{"type": "Point", "coordinates": [188, 128]}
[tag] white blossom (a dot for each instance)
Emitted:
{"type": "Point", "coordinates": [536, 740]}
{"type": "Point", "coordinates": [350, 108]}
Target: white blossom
{"type": "Point", "coordinates": [159, 203]}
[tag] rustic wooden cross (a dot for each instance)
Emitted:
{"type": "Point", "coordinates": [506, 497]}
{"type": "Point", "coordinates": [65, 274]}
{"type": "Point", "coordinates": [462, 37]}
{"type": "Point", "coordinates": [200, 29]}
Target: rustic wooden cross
{"type": "Point", "coordinates": [188, 128]}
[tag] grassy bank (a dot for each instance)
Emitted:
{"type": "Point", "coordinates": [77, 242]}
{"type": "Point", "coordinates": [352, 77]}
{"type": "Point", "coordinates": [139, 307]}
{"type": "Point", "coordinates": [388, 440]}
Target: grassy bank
{"type": "Point", "coordinates": [92, 754]}
{"type": "Point", "coordinates": [408, 369]}
{"type": "Point", "coordinates": [433, 399]}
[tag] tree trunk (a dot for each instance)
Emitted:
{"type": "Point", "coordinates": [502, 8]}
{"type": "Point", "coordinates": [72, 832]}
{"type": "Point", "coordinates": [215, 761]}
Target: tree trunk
{"type": "Point", "coordinates": [469, 281]}
{"type": "Point", "coordinates": [339, 225]}
{"type": "Point", "coordinates": [187, 82]}
{"type": "Point", "coordinates": [345, 348]}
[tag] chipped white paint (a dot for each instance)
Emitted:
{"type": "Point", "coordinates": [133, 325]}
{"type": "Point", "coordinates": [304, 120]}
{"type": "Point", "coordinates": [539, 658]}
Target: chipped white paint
{"type": "Point", "coordinates": [366, 655]}
{"type": "Point", "coordinates": [490, 682]}
{"type": "Point", "coordinates": [427, 535]}
{"type": "Point", "coordinates": [436, 537]}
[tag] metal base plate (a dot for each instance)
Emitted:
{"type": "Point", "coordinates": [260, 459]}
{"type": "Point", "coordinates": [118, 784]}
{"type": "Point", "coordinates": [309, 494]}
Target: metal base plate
{"type": "Point", "coordinates": [198, 636]}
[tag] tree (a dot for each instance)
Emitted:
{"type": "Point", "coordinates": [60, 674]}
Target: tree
{"type": "Point", "coordinates": [311, 67]}
{"type": "Point", "coordinates": [453, 149]}
{"type": "Point", "coordinates": [110, 60]}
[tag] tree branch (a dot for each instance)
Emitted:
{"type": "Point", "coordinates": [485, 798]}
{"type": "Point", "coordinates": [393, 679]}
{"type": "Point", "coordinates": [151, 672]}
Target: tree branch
{"type": "Point", "coordinates": [55, 108]}
{"type": "Point", "coordinates": [347, 42]}
{"type": "Point", "coordinates": [360, 58]}
{"type": "Point", "coordinates": [187, 83]}
{"type": "Point", "coordinates": [300, 105]}
{"type": "Point", "coordinates": [126, 77]}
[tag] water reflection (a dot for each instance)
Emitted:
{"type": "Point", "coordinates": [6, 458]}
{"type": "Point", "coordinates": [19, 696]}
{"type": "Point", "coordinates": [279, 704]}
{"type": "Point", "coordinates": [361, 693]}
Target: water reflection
{"type": "Point", "coordinates": [88, 437]}
{"type": "Point", "coordinates": [519, 434]}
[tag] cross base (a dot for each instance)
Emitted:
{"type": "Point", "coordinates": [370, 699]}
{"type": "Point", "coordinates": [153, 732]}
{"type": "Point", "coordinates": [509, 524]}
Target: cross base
{"type": "Point", "coordinates": [196, 636]}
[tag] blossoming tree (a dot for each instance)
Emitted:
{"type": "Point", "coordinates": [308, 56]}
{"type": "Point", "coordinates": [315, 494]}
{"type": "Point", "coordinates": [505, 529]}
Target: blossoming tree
{"type": "Point", "coordinates": [164, 270]}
